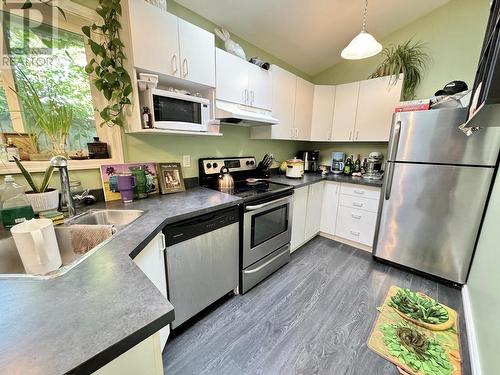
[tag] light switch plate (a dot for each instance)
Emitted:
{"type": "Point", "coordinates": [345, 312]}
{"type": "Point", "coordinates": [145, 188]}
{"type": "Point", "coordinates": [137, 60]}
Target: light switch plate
{"type": "Point", "coordinates": [186, 161]}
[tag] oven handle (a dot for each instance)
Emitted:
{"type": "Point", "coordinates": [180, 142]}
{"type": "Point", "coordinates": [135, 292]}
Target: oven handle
{"type": "Point", "coordinates": [268, 262]}
{"type": "Point", "coordinates": [259, 206]}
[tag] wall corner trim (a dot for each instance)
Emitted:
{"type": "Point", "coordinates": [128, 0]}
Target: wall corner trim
{"type": "Point", "coordinates": [471, 332]}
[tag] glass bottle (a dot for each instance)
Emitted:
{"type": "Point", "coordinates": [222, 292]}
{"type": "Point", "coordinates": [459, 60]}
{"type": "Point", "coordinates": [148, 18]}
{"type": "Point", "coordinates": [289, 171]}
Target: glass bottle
{"type": "Point", "coordinates": [357, 164]}
{"type": "Point", "coordinates": [15, 206]}
{"type": "Point", "coordinates": [11, 150]}
{"type": "Point", "coordinates": [347, 167]}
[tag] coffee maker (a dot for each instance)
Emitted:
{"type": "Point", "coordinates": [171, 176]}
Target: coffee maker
{"type": "Point", "coordinates": [338, 159]}
{"type": "Point", "coordinates": [311, 160]}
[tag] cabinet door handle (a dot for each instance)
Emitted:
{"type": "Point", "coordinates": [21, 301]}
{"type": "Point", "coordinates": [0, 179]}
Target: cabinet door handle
{"type": "Point", "coordinates": [185, 67]}
{"type": "Point", "coordinates": [357, 204]}
{"type": "Point", "coordinates": [296, 132]}
{"type": "Point", "coordinates": [357, 134]}
{"type": "Point", "coordinates": [244, 96]}
{"type": "Point", "coordinates": [355, 233]}
{"type": "Point", "coordinates": [350, 135]}
{"type": "Point", "coordinates": [354, 216]}
{"type": "Point", "coordinates": [252, 96]}
{"type": "Point", "coordinates": [173, 62]}
{"type": "Point", "coordinates": [360, 192]}
{"type": "Point", "coordinates": [163, 243]}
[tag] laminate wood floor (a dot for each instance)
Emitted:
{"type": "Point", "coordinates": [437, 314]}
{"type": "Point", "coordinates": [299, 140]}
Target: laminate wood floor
{"type": "Point", "coordinates": [313, 316]}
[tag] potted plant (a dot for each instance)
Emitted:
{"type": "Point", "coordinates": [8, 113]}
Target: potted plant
{"type": "Point", "coordinates": [410, 59]}
{"type": "Point", "coordinates": [49, 116]}
{"type": "Point", "coordinates": [41, 197]}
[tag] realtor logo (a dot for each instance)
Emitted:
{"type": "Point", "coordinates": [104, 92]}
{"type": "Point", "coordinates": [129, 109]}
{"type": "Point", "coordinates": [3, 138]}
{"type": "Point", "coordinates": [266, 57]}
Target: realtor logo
{"type": "Point", "coordinates": [29, 31]}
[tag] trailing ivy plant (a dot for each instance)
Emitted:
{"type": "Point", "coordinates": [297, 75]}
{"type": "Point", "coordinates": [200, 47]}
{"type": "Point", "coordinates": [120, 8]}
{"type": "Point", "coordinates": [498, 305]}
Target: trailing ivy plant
{"type": "Point", "coordinates": [107, 67]}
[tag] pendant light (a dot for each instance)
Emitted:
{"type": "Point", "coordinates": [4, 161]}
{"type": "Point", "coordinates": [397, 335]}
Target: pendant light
{"type": "Point", "coordinates": [363, 45]}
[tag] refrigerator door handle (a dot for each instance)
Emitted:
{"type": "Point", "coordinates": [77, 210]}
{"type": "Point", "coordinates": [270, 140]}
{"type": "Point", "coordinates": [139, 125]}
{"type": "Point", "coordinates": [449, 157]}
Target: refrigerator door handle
{"type": "Point", "coordinates": [394, 141]}
{"type": "Point", "coordinates": [388, 181]}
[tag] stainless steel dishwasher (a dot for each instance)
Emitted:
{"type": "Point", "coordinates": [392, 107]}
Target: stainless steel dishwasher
{"type": "Point", "coordinates": [202, 261]}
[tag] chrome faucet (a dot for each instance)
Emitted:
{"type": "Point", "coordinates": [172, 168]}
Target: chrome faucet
{"type": "Point", "coordinates": [67, 203]}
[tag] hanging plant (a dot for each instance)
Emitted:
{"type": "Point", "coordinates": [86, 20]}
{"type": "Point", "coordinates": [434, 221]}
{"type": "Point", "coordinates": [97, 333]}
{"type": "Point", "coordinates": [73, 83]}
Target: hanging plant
{"type": "Point", "coordinates": [409, 58]}
{"type": "Point", "coordinates": [107, 67]}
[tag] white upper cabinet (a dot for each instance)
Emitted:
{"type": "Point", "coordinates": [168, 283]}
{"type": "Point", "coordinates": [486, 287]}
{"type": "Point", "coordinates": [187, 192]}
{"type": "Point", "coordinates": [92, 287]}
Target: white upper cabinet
{"type": "Point", "coordinates": [377, 99]}
{"type": "Point", "coordinates": [241, 82]}
{"type": "Point", "coordinates": [344, 111]}
{"type": "Point", "coordinates": [283, 104]}
{"type": "Point", "coordinates": [155, 38]}
{"type": "Point", "coordinates": [322, 113]}
{"type": "Point", "coordinates": [231, 77]}
{"type": "Point", "coordinates": [303, 109]}
{"type": "Point", "coordinates": [260, 87]}
{"type": "Point", "coordinates": [165, 44]}
{"type": "Point", "coordinates": [197, 54]}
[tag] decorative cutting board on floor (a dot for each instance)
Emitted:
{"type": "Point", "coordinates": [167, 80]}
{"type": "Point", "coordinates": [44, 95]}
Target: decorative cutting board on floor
{"type": "Point", "coordinates": [414, 348]}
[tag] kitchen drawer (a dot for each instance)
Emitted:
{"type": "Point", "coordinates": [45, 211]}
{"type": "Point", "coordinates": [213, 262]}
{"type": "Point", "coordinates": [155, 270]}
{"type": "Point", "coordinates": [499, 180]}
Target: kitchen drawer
{"type": "Point", "coordinates": [356, 225]}
{"type": "Point", "coordinates": [359, 203]}
{"type": "Point", "coordinates": [369, 192]}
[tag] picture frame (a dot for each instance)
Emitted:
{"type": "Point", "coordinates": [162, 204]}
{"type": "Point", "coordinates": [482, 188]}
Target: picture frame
{"type": "Point", "coordinates": [170, 178]}
{"type": "Point", "coordinates": [22, 141]}
{"type": "Point", "coordinates": [110, 171]}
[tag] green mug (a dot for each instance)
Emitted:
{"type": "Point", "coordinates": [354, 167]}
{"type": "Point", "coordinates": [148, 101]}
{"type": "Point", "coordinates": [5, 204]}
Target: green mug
{"type": "Point", "coordinates": [140, 188]}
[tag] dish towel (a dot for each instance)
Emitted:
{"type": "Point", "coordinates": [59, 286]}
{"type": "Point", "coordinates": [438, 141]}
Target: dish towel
{"type": "Point", "coordinates": [86, 237]}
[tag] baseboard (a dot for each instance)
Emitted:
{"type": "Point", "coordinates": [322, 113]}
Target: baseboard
{"type": "Point", "coordinates": [471, 333]}
{"type": "Point", "coordinates": [347, 242]}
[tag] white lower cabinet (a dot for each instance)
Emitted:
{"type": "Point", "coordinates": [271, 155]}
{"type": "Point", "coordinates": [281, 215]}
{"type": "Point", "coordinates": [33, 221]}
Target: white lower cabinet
{"type": "Point", "coordinates": [144, 358]}
{"type": "Point", "coordinates": [313, 214]}
{"type": "Point", "coordinates": [330, 207]}
{"type": "Point", "coordinates": [299, 217]}
{"type": "Point", "coordinates": [151, 261]}
{"type": "Point", "coordinates": [356, 225]}
{"type": "Point", "coordinates": [357, 214]}
{"type": "Point", "coordinates": [349, 212]}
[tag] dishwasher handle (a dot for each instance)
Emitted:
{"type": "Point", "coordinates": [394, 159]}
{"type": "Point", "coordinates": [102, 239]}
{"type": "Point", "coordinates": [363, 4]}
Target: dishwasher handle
{"type": "Point", "coordinates": [199, 225]}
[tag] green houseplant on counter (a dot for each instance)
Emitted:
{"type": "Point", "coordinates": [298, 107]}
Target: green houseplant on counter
{"type": "Point", "coordinates": [41, 197]}
{"type": "Point", "coordinates": [410, 59]}
{"type": "Point", "coordinates": [48, 117]}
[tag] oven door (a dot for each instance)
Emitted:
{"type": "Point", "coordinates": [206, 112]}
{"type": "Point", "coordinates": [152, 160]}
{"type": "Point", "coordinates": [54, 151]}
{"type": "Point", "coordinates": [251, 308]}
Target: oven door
{"type": "Point", "coordinates": [267, 226]}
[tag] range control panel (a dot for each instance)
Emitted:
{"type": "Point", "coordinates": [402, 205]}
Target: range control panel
{"type": "Point", "coordinates": [213, 166]}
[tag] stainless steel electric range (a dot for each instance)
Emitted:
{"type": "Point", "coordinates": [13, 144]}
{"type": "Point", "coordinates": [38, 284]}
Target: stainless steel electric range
{"type": "Point", "coordinates": [265, 216]}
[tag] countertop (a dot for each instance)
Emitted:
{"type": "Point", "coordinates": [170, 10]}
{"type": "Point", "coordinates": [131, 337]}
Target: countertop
{"type": "Point", "coordinates": [103, 306]}
{"type": "Point", "coordinates": [311, 178]}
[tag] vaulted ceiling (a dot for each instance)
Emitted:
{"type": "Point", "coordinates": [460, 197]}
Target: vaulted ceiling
{"type": "Point", "coordinates": [309, 34]}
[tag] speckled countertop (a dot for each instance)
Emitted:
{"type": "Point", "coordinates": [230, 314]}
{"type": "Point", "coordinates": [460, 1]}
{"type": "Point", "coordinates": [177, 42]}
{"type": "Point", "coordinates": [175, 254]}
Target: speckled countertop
{"type": "Point", "coordinates": [101, 308]}
{"type": "Point", "coordinates": [311, 178]}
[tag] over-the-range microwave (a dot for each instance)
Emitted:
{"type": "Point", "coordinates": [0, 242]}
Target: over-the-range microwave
{"type": "Point", "coordinates": [177, 111]}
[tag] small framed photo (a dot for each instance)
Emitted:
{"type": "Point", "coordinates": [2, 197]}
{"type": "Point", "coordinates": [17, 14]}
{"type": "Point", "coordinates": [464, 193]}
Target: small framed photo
{"type": "Point", "coordinates": [170, 178]}
{"type": "Point", "coordinates": [23, 141]}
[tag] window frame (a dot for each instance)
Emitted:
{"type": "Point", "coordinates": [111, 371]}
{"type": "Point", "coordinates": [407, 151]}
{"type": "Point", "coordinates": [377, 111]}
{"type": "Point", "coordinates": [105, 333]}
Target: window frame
{"type": "Point", "coordinates": [76, 17]}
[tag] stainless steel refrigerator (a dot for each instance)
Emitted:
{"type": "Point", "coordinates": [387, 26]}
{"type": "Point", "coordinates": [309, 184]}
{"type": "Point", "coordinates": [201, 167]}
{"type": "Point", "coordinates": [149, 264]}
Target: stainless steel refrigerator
{"type": "Point", "coordinates": [435, 188]}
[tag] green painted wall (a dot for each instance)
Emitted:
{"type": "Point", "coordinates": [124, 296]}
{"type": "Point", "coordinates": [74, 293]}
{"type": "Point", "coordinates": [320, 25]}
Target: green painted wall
{"type": "Point", "coordinates": [235, 142]}
{"type": "Point", "coordinates": [484, 283]}
{"type": "Point", "coordinates": [453, 34]}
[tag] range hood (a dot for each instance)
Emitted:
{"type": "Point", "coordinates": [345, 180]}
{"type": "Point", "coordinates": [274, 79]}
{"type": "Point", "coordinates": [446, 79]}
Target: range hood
{"type": "Point", "coordinates": [242, 115]}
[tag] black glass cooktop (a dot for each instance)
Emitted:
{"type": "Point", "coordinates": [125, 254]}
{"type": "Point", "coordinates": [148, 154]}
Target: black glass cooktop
{"type": "Point", "coordinates": [245, 190]}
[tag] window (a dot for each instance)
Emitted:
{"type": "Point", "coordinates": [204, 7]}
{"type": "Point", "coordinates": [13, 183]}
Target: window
{"type": "Point", "coordinates": [58, 76]}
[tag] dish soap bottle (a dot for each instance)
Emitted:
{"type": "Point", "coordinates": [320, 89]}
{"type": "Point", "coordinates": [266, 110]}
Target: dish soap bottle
{"type": "Point", "coordinates": [15, 206]}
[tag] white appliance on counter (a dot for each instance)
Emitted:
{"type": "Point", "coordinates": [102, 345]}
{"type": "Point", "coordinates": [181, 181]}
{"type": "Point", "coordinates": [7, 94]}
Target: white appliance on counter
{"type": "Point", "coordinates": [174, 110]}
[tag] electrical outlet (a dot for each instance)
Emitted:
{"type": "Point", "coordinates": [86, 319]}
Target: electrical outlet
{"type": "Point", "coordinates": [186, 161]}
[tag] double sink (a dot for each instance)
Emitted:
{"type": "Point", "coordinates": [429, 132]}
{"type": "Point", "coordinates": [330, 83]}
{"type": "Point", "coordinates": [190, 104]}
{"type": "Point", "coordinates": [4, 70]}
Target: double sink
{"type": "Point", "coordinates": [10, 261]}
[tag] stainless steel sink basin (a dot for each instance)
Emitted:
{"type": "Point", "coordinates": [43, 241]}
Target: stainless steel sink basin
{"type": "Point", "coordinates": [10, 261]}
{"type": "Point", "coordinates": [117, 218]}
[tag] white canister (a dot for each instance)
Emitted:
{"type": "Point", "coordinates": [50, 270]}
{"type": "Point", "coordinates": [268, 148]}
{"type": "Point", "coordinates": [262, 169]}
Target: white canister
{"type": "Point", "coordinates": [294, 168]}
{"type": "Point", "coordinates": [37, 245]}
